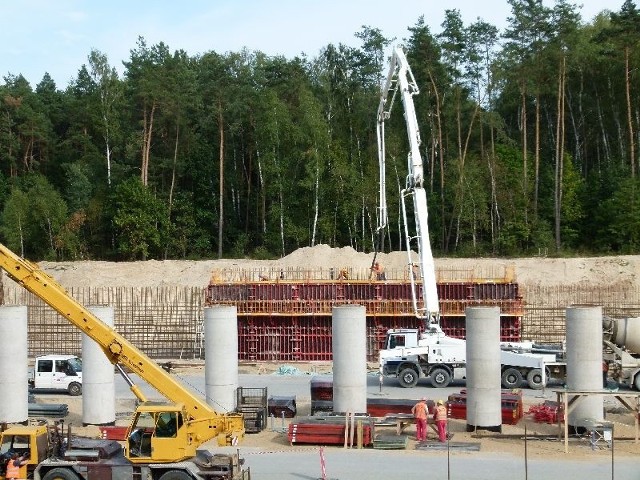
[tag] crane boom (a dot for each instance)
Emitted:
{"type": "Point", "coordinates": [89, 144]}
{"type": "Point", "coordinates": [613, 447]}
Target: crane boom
{"type": "Point", "coordinates": [400, 79]}
{"type": "Point", "coordinates": [200, 421]}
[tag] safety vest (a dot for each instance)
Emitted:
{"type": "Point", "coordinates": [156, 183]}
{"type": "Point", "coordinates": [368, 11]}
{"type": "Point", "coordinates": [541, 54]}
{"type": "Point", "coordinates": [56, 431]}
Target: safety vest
{"type": "Point", "coordinates": [13, 470]}
{"type": "Point", "coordinates": [420, 410]}
{"type": "Point", "coordinates": [441, 413]}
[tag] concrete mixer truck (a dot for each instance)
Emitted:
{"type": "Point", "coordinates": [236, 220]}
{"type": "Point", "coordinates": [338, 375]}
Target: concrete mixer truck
{"type": "Point", "coordinates": [621, 339]}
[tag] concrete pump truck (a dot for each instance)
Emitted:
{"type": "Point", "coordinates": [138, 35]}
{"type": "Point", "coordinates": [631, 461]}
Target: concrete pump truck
{"type": "Point", "coordinates": [409, 354]}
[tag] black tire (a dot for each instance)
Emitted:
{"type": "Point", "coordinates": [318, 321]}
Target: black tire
{"type": "Point", "coordinates": [408, 378]}
{"type": "Point", "coordinates": [512, 378]}
{"type": "Point", "coordinates": [175, 475]}
{"type": "Point", "coordinates": [60, 474]}
{"type": "Point", "coordinates": [534, 379]}
{"type": "Point", "coordinates": [75, 389]}
{"type": "Point", "coordinates": [440, 378]}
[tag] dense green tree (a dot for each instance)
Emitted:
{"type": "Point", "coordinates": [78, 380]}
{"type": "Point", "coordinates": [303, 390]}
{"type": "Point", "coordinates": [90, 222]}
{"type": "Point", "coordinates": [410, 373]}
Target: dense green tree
{"type": "Point", "coordinates": [33, 217]}
{"type": "Point", "coordinates": [528, 146]}
{"type": "Point", "coordinates": [140, 221]}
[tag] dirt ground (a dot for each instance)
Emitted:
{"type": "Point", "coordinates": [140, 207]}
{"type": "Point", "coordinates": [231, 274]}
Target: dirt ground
{"type": "Point", "coordinates": [542, 439]}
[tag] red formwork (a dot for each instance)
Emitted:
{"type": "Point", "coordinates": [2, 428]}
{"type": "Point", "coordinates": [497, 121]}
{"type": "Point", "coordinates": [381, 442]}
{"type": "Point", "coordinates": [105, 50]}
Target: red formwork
{"type": "Point", "coordinates": [290, 338]}
{"type": "Point", "coordinates": [291, 321]}
{"type": "Point", "coordinates": [356, 291]}
{"type": "Point", "coordinates": [509, 327]}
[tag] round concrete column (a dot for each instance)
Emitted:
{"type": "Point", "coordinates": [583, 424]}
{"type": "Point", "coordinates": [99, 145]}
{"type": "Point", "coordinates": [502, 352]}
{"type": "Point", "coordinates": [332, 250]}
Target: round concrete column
{"type": "Point", "coordinates": [14, 407]}
{"type": "Point", "coordinates": [221, 356]}
{"type": "Point", "coordinates": [98, 385]}
{"type": "Point", "coordinates": [349, 334]}
{"type": "Point", "coordinates": [584, 362]}
{"type": "Point", "coordinates": [484, 391]}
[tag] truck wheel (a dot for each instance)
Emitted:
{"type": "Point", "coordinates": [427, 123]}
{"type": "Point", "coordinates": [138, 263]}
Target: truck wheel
{"type": "Point", "coordinates": [175, 475]}
{"type": "Point", "coordinates": [74, 389]}
{"type": "Point", "coordinates": [512, 378]}
{"type": "Point", "coordinates": [636, 382]}
{"type": "Point", "coordinates": [534, 378]}
{"type": "Point", "coordinates": [60, 474]}
{"type": "Point", "coordinates": [440, 378]}
{"type": "Point", "coordinates": [408, 378]}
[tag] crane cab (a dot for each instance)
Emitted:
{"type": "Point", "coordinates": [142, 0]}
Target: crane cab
{"type": "Point", "coordinates": [158, 433]}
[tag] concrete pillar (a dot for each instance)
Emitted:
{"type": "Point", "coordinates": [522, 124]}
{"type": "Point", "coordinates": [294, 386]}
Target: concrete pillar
{"type": "Point", "coordinates": [98, 383]}
{"type": "Point", "coordinates": [14, 365]}
{"type": "Point", "coordinates": [484, 390]}
{"type": "Point", "coordinates": [221, 356]}
{"type": "Point", "coordinates": [584, 362]}
{"type": "Point", "coordinates": [349, 334]}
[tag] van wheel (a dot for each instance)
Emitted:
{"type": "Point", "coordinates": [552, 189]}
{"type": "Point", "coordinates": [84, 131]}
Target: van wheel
{"type": "Point", "coordinates": [75, 389]}
{"type": "Point", "coordinates": [408, 378]}
{"type": "Point", "coordinates": [512, 378]}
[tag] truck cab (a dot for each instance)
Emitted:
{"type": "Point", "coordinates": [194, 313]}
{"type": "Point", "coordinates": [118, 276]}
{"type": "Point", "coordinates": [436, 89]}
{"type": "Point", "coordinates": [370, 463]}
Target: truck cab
{"type": "Point", "coordinates": [57, 372]}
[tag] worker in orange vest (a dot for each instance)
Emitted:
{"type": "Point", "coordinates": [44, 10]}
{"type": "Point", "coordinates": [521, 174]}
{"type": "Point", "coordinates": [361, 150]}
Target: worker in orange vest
{"type": "Point", "coordinates": [440, 417]}
{"type": "Point", "coordinates": [421, 413]}
{"type": "Point", "coordinates": [13, 467]}
{"type": "Point", "coordinates": [378, 271]}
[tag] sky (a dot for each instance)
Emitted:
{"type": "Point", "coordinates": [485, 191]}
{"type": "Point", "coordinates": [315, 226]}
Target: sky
{"type": "Point", "coordinates": [56, 36]}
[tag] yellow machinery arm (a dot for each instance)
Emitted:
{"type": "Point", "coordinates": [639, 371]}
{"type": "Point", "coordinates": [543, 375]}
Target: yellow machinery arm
{"type": "Point", "coordinates": [201, 421]}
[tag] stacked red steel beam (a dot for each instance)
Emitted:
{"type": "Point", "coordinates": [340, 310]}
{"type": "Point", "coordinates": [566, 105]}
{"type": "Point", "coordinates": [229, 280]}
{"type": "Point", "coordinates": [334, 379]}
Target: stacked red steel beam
{"type": "Point", "coordinates": [512, 409]}
{"type": "Point", "coordinates": [325, 433]}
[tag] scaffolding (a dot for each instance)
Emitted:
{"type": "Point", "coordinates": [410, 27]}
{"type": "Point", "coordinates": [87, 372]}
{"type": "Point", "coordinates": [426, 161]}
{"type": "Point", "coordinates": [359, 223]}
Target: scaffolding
{"type": "Point", "coordinates": [279, 323]}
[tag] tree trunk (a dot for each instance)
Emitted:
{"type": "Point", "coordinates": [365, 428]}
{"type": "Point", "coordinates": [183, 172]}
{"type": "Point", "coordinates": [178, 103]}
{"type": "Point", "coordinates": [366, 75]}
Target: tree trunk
{"type": "Point", "coordinates": [441, 155]}
{"type": "Point", "coordinates": [221, 192]}
{"type": "Point", "coordinates": [536, 180]}
{"type": "Point", "coordinates": [525, 180]}
{"type": "Point", "coordinates": [627, 86]}
{"type": "Point", "coordinates": [559, 169]}
{"type": "Point", "coordinates": [173, 168]}
{"type": "Point", "coordinates": [147, 130]}
{"type": "Point", "coordinates": [316, 203]}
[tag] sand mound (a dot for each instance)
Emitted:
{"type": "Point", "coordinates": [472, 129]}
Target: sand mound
{"type": "Point", "coordinates": [612, 271]}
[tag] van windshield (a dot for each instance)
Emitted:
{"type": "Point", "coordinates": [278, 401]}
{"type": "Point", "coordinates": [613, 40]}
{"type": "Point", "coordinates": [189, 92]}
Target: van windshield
{"type": "Point", "coordinates": [76, 364]}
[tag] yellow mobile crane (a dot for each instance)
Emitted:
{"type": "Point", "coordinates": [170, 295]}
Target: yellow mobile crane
{"type": "Point", "coordinates": [163, 437]}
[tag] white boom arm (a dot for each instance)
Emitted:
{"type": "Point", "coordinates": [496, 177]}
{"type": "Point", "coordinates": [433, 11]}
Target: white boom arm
{"type": "Point", "coordinates": [400, 78]}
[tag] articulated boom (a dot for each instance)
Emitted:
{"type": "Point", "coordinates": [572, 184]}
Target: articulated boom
{"type": "Point", "coordinates": [201, 423]}
{"type": "Point", "coordinates": [422, 273]}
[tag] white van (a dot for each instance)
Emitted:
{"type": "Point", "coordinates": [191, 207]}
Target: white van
{"type": "Point", "coordinates": [57, 372]}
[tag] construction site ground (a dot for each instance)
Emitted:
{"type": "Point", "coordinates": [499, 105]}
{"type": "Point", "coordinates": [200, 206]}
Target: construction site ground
{"type": "Point", "coordinates": [543, 440]}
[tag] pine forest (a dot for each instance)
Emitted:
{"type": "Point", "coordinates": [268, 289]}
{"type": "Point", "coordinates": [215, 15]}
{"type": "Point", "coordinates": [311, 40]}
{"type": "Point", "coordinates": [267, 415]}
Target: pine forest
{"type": "Point", "coordinates": [530, 141]}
